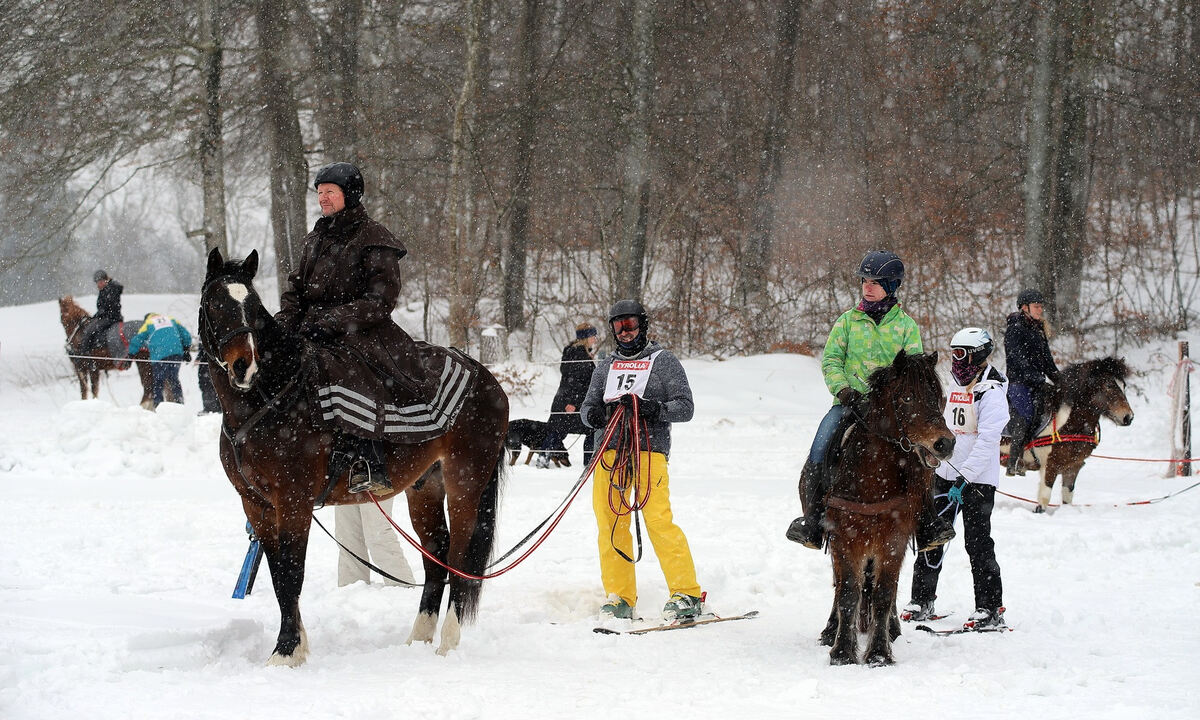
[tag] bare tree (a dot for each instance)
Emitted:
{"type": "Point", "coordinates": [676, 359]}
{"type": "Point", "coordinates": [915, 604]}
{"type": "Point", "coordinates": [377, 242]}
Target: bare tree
{"type": "Point", "coordinates": [212, 153]}
{"type": "Point", "coordinates": [635, 201]}
{"type": "Point", "coordinates": [335, 52]}
{"type": "Point", "coordinates": [522, 166]}
{"type": "Point", "coordinates": [288, 169]}
{"type": "Point", "coordinates": [1039, 147]}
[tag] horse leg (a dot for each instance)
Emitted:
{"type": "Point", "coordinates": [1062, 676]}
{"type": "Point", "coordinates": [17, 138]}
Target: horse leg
{"type": "Point", "coordinates": [94, 372]}
{"type": "Point", "coordinates": [830, 632]}
{"type": "Point", "coordinates": [425, 502]}
{"type": "Point", "coordinates": [285, 543]}
{"type": "Point", "coordinates": [883, 605]}
{"type": "Point", "coordinates": [473, 488]}
{"type": "Point", "coordinates": [1068, 483]}
{"type": "Point", "coordinates": [847, 591]}
{"type": "Point", "coordinates": [1044, 487]}
{"type": "Point", "coordinates": [81, 376]}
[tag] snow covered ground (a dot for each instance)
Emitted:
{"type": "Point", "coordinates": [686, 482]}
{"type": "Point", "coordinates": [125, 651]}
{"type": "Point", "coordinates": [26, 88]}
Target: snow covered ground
{"type": "Point", "coordinates": [122, 539]}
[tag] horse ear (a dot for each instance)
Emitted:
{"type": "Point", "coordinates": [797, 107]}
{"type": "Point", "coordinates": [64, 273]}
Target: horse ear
{"type": "Point", "coordinates": [250, 264]}
{"type": "Point", "coordinates": [934, 355]}
{"type": "Point", "coordinates": [215, 261]}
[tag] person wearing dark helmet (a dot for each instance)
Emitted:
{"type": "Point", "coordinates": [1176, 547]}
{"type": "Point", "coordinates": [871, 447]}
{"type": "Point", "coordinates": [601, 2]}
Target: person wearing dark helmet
{"type": "Point", "coordinates": [639, 368]}
{"type": "Point", "coordinates": [862, 340]}
{"type": "Point", "coordinates": [339, 300]}
{"type": "Point", "coordinates": [108, 311]}
{"type": "Point", "coordinates": [1028, 364]}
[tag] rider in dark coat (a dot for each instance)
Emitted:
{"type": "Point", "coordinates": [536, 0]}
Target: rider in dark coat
{"type": "Point", "coordinates": [340, 298]}
{"type": "Point", "coordinates": [1029, 365]}
{"type": "Point", "coordinates": [108, 310]}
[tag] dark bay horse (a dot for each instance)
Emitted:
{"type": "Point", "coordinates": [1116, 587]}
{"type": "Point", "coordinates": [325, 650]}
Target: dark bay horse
{"type": "Point", "coordinates": [887, 461]}
{"type": "Point", "coordinates": [275, 449]}
{"type": "Point", "coordinates": [87, 371]}
{"type": "Point", "coordinates": [1088, 391]}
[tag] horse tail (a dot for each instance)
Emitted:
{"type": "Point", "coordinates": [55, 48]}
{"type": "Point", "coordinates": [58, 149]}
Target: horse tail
{"type": "Point", "coordinates": [482, 542]}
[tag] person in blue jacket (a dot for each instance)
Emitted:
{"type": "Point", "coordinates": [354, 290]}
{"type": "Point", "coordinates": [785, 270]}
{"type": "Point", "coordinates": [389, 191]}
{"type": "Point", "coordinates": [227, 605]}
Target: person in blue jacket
{"type": "Point", "coordinates": [166, 340]}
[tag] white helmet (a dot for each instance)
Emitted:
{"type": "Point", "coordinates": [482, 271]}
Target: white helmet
{"type": "Point", "coordinates": [972, 342]}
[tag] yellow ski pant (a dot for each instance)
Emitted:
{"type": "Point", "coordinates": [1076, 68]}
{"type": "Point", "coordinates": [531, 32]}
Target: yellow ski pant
{"type": "Point", "coordinates": [670, 545]}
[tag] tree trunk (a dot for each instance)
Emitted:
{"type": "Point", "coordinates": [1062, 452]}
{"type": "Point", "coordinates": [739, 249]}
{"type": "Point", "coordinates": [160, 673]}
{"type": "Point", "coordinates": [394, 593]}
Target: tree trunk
{"type": "Point", "coordinates": [460, 203]}
{"type": "Point", "coordinates": [288, 170]}
{"type": "Point", "coordinates": [212, 153]}
{"type": "Point", "coordinates": [756, 255]}
{"type": "Point", "coordinates": [635, 202]}
{"type": "Point", "coordinates": [338, 110]}
{"type": "Point", "coordinates": [1035, 273]}
{"type": "Point", "coordinates": [526, 130]}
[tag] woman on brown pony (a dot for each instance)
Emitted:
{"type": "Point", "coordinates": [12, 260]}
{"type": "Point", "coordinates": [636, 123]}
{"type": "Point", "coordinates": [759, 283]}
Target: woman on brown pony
{"type": "Point", "coordinates": [1029, 365]}
{"type": "Point", "coordinates": [340, 299]}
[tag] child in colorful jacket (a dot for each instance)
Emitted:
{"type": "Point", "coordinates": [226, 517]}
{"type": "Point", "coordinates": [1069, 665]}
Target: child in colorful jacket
{"type": "Point", "coordinates": [862, 340]}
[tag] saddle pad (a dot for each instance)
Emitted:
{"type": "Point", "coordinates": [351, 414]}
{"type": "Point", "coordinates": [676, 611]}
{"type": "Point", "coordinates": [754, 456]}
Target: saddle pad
{"type": "Point", "coordinates": [413, 412]}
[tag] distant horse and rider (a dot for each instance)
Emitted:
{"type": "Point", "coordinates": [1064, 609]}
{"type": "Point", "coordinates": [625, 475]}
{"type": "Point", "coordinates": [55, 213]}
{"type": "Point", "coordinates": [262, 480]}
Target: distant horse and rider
{"type": "Point", "coordinates": [879, 485]}
{"type": "Point", "coordinates": [108, 354]}
{"type": "Point", "coordinates": [1070, 426]}
{"type": "Point", "coordinates": [277, 441]}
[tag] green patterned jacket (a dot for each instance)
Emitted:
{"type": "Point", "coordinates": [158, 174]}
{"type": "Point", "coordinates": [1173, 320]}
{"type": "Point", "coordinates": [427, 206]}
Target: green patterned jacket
{"type": "Point", "coordinates": [857, 347]}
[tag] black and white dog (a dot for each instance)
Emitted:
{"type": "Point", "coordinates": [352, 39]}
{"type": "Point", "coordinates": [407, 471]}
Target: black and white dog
{"type": "Point", "coordinates": [532, 434]}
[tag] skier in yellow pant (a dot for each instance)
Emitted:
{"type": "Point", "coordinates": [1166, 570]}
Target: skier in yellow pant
{"type": "Point", "coordinates": [650, 387]}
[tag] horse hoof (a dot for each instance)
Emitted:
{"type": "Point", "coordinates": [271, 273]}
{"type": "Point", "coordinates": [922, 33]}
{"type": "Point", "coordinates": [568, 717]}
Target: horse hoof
{"type": "Point", "coordinates": [423, 628]}
{"type": "Point", "coordinates": [841, 660]}
{"type": "Point", "coordinates": [1039, 510]}
{"type": "Point", "coordinates": [880, 661]}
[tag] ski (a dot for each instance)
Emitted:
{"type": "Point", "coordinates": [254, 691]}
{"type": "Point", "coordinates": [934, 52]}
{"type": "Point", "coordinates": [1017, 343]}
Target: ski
{"type": "Point", "coordinates": [705, 619]}
{"type": "Point", "coordinates": [963, 630]}
{"type": "Point", "coordinates": [245, 581]}
{"type": "Point", "coordinates": [908, 617]}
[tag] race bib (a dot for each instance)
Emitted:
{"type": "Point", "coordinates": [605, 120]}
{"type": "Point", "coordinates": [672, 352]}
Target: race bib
{"type": "Point", "coordinates": [960, 412]}
{"type": "Point", "coordinates": [158, 322]}
{"type": "Point", "coordinates": [628, 377]}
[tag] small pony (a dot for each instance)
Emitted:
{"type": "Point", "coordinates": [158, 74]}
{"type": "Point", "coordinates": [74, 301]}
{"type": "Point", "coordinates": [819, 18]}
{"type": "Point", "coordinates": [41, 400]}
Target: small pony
{"type": "Point", "coordinates": [886, 468]}
{"type": "Point", "coordinates": [1088, 391]}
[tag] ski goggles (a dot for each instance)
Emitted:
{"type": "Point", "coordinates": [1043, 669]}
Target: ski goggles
{"type": "Point", "coordinates": [960, 353]}
{"type": "Point", "coordinates": [629, 323]}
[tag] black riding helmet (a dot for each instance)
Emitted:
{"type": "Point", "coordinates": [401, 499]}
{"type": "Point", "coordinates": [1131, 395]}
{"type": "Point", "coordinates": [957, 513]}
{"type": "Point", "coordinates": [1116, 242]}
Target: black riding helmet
{"type": "Point", "coordinates": [884, 267]}
{"type": "Point", "coordinates": [629, 308]}
{"type": "Point", "coordinates": [345, 176]}
{"type": "Point", "coordinates": [1029, 295]}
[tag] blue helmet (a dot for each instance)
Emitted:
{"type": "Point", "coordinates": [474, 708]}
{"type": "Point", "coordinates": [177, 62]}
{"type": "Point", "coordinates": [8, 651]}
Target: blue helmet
{"type": "Point", "coordinates": [884, 267]}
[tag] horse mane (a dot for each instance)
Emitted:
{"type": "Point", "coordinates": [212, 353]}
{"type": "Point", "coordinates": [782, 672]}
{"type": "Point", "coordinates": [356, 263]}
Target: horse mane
{"type": "Point", "coordinates": [1080, 379]}
{"type": "Point", "coordinates": [905, 365]}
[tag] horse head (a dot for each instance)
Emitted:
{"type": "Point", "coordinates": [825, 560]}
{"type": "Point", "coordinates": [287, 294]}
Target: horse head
{"type": "Point", "coordinates": [905, 406]}
{"type": "Point", "coordinates": [70, 314]}
{"type": "Point", "coordinates": [1098, 385]}
{"type": "Point", "coordinates": [232, 316]}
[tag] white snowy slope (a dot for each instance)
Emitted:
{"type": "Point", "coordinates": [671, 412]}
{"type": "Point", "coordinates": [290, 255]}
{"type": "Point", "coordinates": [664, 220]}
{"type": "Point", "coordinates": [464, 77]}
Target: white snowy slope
{"type": "Point", "coordinates": [121, 540]}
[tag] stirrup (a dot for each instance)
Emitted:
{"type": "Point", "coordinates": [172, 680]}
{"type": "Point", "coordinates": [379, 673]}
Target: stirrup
{"type": "Point", "coordinates": [810, 535]}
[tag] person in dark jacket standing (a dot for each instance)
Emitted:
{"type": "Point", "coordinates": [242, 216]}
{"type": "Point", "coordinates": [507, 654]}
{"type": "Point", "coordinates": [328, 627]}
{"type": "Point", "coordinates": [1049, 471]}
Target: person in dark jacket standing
{"type": "Point", "coordinates": [108, 310]}
{"type": "Point", "coordinates": [340, 299]}
{"type": "Point", "coordinates": [1030, 364]}
{"type": "Point", "coordinates": [642, 369]}
{"type": "Point", "coordinates": [578, 362]}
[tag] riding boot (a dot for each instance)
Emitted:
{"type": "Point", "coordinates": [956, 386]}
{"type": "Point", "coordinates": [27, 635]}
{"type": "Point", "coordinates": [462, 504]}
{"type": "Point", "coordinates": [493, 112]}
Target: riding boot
{"type": "Point", "coordinates": [367, 468]}
{"type": "Point", "coordinates": [932, 529]}
{"type": "Point", "coordinates": [1019, 427]}
{"type": "Point", "coordinates": [809, 530]}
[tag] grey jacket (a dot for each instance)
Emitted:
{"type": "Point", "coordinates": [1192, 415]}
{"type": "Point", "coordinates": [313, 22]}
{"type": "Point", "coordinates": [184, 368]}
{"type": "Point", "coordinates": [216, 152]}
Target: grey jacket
{"type": "Point", "coordinates": [668, 384]}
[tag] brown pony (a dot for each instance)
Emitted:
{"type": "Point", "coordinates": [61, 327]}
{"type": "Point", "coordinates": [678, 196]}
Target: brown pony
{"type": "Point", "coordinates": [73, 318]}
{"type": "Point", "coordinates": [878, 487]}
{"type": "Point", "coordinates": [275, 449]}
{"type": "Point", "coordinates": [1088, 391]}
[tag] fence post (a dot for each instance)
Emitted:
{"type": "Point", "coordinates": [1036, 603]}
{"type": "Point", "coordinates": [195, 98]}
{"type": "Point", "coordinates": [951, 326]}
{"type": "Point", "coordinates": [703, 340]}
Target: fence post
{"type": "Point", "coordinates": [1185, 417]}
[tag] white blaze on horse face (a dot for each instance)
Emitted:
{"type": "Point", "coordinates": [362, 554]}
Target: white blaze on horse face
{"type": "Point", "coordinates": [239, 292]}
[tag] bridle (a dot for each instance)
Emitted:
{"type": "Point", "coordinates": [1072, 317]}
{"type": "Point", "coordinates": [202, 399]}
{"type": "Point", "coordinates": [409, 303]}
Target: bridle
{"type": "Point", "coordinates": [902, 441]}
{"type": "Point", "coordinates": [206, 331]}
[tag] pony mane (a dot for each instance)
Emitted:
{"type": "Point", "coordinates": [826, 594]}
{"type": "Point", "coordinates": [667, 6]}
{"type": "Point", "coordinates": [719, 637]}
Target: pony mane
{"type": "Point", "coordinates": [904, 365]}
{"type": "Point", "coordinates": [1080, 378]}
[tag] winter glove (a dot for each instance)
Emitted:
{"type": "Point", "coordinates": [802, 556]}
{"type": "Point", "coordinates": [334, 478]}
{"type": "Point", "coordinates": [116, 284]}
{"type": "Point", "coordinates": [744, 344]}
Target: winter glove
{"type": "Point", "coordinates": [849, 397]}
{"type": "Point", "coordinates": [315, 333]}
{"type": "Point", "coordinates": [597, 416]}
{"type": "Point", "coordinates": [650, 410]}
{"type": "Point", "coordinates": [954, 494]}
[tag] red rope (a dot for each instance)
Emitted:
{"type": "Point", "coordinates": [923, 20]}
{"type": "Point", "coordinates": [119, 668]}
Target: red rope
{"type": "Point", "coordinates": [574, 492]}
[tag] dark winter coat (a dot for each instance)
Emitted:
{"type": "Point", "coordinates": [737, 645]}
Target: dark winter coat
{"type": "Point", "coordinates": [668, 385]}
{"type": "Point", "coordinates": [576, 369]}
{"type": "Point", "coordinates": [1027, 351]}
{"type": "Point", "coordinates": [108, 304]}
{"type": "Point", "coordinates": [370, 377]}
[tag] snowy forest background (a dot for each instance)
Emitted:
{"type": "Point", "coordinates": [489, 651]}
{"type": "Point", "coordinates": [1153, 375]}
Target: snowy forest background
{"type": "Point", "coordinates": [727, 162]}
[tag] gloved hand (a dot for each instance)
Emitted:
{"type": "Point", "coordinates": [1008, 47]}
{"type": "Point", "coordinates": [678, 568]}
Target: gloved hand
{"type": "Point", "coordinates": [650, 410]}
{"type": "Point", "coordinates": [597, 415]}
{"type": "Point", "coordinates": [954, 494]}
{"type": "Point", "coordinates": [315, 333]}
{"type": "Point", "coordinates": [849, 397]}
